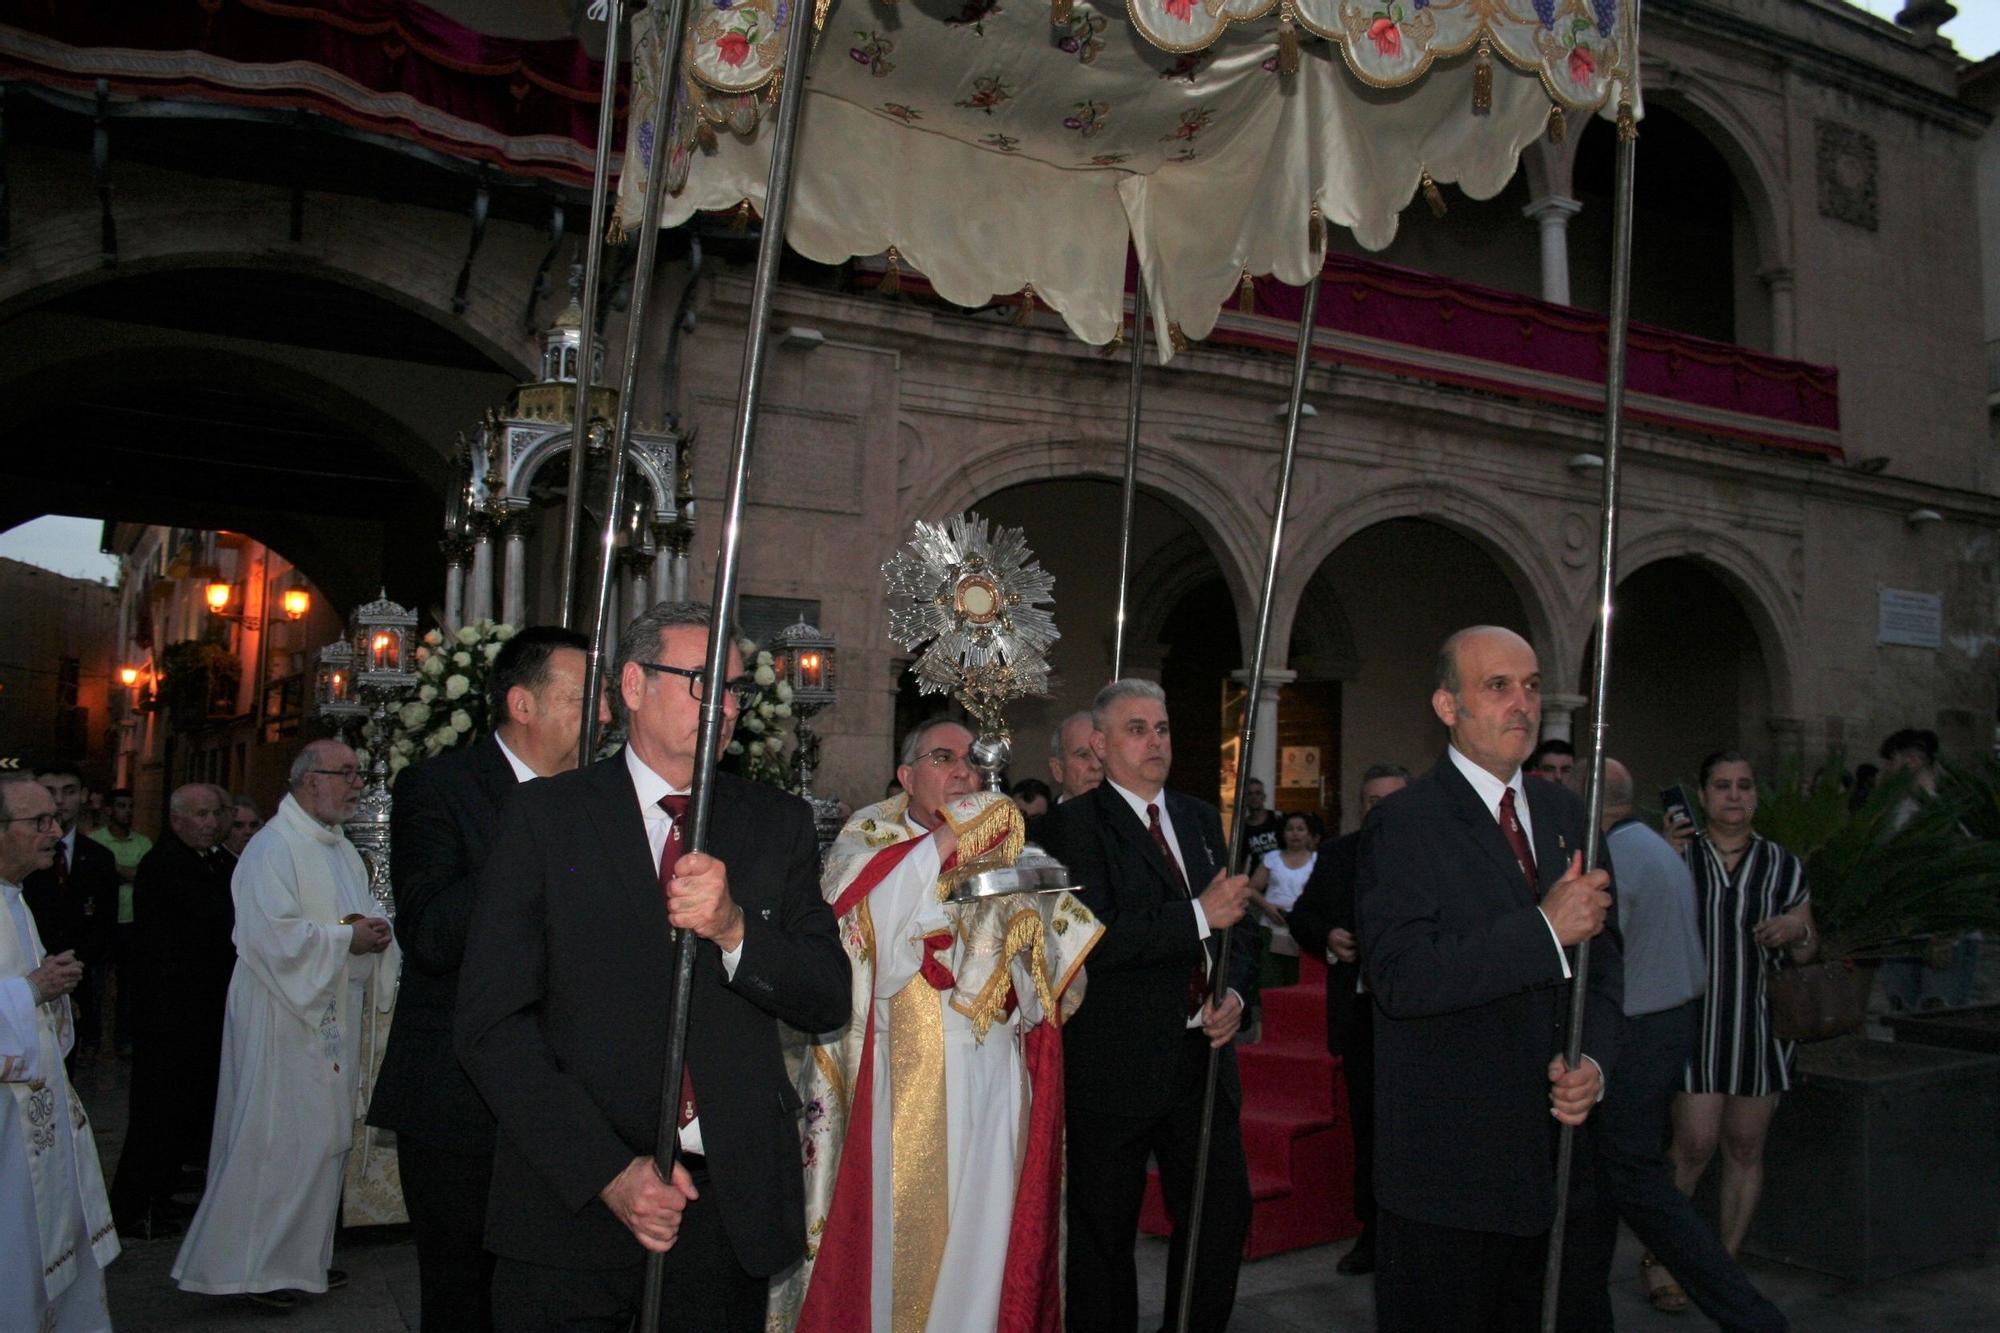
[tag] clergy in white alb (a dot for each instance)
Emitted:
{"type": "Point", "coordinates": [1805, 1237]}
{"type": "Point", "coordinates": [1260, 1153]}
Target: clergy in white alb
{"type": "Point", "coordinates": [934, 1119]}
{"type": "Point", "coordinates": [312, 956]}
{"type": "Point", "coordinates": [56, 1232]}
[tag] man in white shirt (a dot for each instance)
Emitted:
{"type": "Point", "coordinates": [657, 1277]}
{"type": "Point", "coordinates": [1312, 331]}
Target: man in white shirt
{"type": "Point", "coordinates": [56, 1231]}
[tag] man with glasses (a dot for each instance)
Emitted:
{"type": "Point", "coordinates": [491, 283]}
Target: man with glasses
{"type": "Point", "coordinates": [55, 1223]}
{"type": "Point", "coordinates": [75, 900]}
{"type": "Point", "coordinates": [312, 959]}
{"type": "Point", "coordinates": [444, 822]}
{"type": "Point", "coordinates": [178, 973]}
{"type": "Point", "coordinates": [562, 1020]}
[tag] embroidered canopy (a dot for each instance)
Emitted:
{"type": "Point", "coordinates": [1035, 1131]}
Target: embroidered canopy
{"type": "Point", "coordinates": [1010, 147]}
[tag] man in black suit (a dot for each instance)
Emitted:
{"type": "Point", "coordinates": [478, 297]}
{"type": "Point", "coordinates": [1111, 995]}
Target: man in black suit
{"type": "Point", "coordinates": [1468, 958]}
{"type": "Point", "coordinates": [562, 1017]}
{"type": "Point", "coordinates": [181, 960]}
{"type": "Point", "coordinates": [444, 821]}
{"type": "Point", "coordinates": [1322, 921]}
{"type": "Point", "coordinates": [75, 901]}
{"type": "Point", "coordinates": [1135, 1056]}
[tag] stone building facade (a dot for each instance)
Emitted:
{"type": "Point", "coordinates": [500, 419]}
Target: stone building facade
{"type": "Point", "coordinates": [1807, 177]}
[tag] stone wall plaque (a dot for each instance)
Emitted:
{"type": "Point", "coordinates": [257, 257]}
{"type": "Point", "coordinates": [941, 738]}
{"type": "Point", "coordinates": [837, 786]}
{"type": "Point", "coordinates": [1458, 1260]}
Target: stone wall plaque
{"type": "Point", "coordinates": [1847, 173]}
{"type": "Point", "coordinates": [1909, 619]}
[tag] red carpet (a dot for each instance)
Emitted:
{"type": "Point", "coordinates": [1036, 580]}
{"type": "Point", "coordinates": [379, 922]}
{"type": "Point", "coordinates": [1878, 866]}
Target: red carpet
{"type": "Point", "coordinates": [1297, 1139]}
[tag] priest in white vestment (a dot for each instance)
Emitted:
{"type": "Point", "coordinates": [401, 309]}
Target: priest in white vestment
{"type": "Point", "coordinates": [934, 1120]}
{"type": "Point", "coordinates": [310, 962]}
{"type": "Point", "coordinates": [56, 1232]}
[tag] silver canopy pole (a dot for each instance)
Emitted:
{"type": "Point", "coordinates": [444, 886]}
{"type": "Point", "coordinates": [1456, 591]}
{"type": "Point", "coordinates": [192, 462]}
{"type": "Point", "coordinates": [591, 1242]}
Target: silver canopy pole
{"type": "Point", "coordinates": [1218, 982]}
{"type": "Point", "coordinates": [586, 347]}
{"type": "Point", "coordinates": [1133, 395]}
{"type": "Point", "coordinates": [771, 248]}
{"type": "Point", "coordinates": [1607, 582]}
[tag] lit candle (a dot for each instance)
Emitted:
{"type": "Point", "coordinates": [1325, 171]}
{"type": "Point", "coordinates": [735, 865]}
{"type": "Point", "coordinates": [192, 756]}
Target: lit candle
{"type": "Point", "coordinates": [382, 654]}
{"type": "Point", "coordinates": [809, 670]}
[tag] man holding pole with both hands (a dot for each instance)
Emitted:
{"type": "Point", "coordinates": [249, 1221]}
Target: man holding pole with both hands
{"type": "Point", "coordinates": [1469, 898]}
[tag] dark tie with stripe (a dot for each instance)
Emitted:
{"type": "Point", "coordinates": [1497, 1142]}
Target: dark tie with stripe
{"type": "Point", "coordinates": [670, 853]}
{"type": "Point", "coordinates": [1517, 839]}
{"type": "Point", "coordinates": [1198, 979]}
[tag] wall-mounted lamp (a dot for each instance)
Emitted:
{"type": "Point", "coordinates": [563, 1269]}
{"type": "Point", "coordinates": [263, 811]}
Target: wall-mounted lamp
{"type": "Point", "coordinates": [802, 338]}
{"type": "Point", "coordinates": [296, 601]}
{"type": "Point", "coordinates": [1584, 464]}
{"type": "Point", "coordinates": [1284, 409]}
{"type": "Point", "coordinates": [1916, 518]}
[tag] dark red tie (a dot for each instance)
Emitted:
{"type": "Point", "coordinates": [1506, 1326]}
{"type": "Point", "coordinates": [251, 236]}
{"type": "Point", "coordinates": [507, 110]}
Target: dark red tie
{"type": "Point", "coordinates": [1517, 838]}
{"type": "Point", "coordinates": [61, 867]}
{"type": "Point", "coordinates": [670, 853]}
{"type": "Point", "coordinates": [1198, 979]}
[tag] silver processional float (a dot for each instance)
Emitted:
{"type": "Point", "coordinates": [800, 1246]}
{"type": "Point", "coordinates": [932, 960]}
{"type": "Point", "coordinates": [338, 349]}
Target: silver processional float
{"type": "Point", "coordinates": [1043, 187]}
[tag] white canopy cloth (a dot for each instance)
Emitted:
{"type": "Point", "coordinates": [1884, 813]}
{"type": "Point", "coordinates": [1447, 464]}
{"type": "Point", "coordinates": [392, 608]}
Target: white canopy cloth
{"type": "Point", "coordinates": [995, 148]}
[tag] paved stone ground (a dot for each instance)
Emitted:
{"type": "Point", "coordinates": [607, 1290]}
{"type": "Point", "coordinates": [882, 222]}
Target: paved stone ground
{"type": "Point", "coordinates": [1289, 1293]}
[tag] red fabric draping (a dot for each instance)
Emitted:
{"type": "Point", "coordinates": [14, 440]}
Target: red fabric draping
{"type": "Point", "coordinates": [1031, 1284]}
{"type": "Point", "coordinates": [1446, 331]}
{"type": "Point", "coordinates": [846, 1247]}
{"type": "Point", "coordinates": [389, 66]}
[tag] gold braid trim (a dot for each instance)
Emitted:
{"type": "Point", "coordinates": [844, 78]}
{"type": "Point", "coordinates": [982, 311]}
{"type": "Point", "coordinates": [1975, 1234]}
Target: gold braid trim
{"type": "Point", "coordinates": [1024, 931]}
{"type": "Point", "coordinates": [990, 840]}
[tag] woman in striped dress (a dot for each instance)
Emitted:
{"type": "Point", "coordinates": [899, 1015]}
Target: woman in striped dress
{"type": "Point", "coordinates": [1754, 908]}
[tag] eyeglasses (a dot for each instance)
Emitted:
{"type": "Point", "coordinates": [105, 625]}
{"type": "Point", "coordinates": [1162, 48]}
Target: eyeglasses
{"type": "Point", "coordinates": [943, 758]}
{"type": "Point", "coordinates": [42, 823]}
{"type": "Point", "coordinates": [344, 774]}
{"type": "Point", "coordinates": [742, 687]}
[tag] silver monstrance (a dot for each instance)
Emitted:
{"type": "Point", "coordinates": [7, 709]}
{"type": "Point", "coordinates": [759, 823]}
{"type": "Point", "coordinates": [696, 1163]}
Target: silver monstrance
{"type": "Point", "coordinates": [970, 593]}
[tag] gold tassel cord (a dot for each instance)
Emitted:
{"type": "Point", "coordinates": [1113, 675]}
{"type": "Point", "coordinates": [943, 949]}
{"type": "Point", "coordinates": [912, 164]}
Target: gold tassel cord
{"type": "Point", "coordinates": [892, 279]}
{"type": "Point", "coordinates": [1558, 124]}
{"type": "Point", "coordinates": [1059, 12]}
{"type": "Point", "coordinates": [1246, 294]}
{"type": "Point", "coordinates": [1175, 338]}
{"type": "Point", "coordinates": [1316, 229]}
{"type": "Point", "coordinates": [1026, 314]}
{"type": "Point", "coordinates": [1288, 41]}
{"type": "Point", "coordinates": [1433, 196]}
{"type": "Point", "coordinates": [1628, 125]}
{"type": "Point", "coordinates": [1482, 80]}
{"type": "Point", "coordinates": [739, 219]}
{"type": "Point", "coordinates": [704, 135]}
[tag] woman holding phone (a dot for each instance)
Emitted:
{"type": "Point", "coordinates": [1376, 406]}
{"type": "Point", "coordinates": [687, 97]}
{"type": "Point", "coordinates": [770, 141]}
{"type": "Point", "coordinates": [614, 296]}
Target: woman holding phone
{"type": "Point", "coordinates": [1754, 911]}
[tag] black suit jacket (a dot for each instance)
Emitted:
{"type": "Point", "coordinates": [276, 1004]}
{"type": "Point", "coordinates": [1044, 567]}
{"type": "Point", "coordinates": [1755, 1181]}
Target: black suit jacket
{"type": "Point", "coordinates": [1471, 1003]}
{"type": "Point", "coordinates": [1121, 1048]}
{"type": "Point", "coordinates": [1327, 902]}
{"type": "Point", "coordinates": [81, 914]}
{"type": "Point", "coordinates": [562, 1015]}
{"type": "Point", "coordinates": [183, 923]}
{"type": "Point", "coordinates": [445, 820]}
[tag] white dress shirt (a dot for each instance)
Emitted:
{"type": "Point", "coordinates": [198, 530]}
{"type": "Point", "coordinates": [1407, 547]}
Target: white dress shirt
{"type": "Point", "coordinates": [651, 787]}
{"type": "Point", "coordinates": [522, 773]}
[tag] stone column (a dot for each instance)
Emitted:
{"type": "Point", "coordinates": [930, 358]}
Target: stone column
{"type": "Point", "coordinates": [456, 551]}
{"type": "Point", "coordinates": [1552, 215]}
{"type": "Point", "coordinates": [1264, 745]}
{"type": "Point", "coordinates": [1559, 713]}
{"type": "Point", "coordinates": [479, 597]}
{"type": "Point", "coordinates": [1779, 283]}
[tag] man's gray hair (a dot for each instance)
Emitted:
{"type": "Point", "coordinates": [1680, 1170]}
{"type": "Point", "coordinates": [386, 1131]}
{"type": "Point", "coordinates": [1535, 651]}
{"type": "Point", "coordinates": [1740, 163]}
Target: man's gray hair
{"type": "Point", "coordinates": [1131, 687]}
{"type": "Point", "coordinates": [311, 757]}
{"type": "Point", "coordinates": [913, 744]}
{"type": "Point", "coordinates": [1376, 772]}
{"type": "Point", "coordinates": [1447, 659]}
{"type": "Point", "coordinates": [1056, 749]}
{"type": "Point", "coordinates": [9, 781]}
{"type": "Point", "coordinates": [187, 792]}
{"type": "Point", "coordinates": [242, 801]}
{"type": "Point", "coordinates": [1619, 789]}
{"type": "Point", "coordinates": [641, 643]}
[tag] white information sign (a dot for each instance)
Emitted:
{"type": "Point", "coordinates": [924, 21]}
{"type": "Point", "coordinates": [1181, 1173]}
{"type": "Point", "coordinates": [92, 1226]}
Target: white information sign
{"type": "Point", "coordinates": [1910, 619]}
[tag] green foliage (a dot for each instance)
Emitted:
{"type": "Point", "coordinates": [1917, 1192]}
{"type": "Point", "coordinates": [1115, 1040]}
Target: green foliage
{"type": "Point", "coordinates": [195, 674]}
{"type": "Point", "coordinates": [1873, 883]}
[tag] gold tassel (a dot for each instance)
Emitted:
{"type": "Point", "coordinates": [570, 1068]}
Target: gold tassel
{"type": "Point", "coordinates": [704, 135]}
{"type": "Point", "coordinates": [1482, 80]}
{"type": "Point", "coordinates": [1628, 125]}
{"type": "Point", "coordinates": [1114, 347]}
{"type": "Point", "coordinates": [1316, 229]}
{"type": "Point", "coordinates": [1288, 41]}
{"type": "Point", "coordinates": [1026, 314]}
{"type": "Point", "coordinates": [1246, 294]}
{"type": "Point", "coordinates": [1433, 196]}
{"type": "Point", "coordinates": [820, 8]}
{"type": "Point", "coordinates": [892, 280]}
{"type": "Point", "coordinates": [615, 233]}
{"type": "Point", "coordinates": [1175, 338]}
{"type": "Point", "coordinates": [1558, 123]}
{"type": "Point", "coordinates": [739, 220]}
{"type": "Point", "coordinates": [1059, 11]}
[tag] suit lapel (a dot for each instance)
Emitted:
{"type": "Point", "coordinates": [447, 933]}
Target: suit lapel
{"type": "Point", "coordinates": [1125, 820]}
{"type": "Point", "coordinates": [493, 773]}
{"type": "Point", "coordinates": [621, 829]}
{"type": "Point", "coordinates": [1483, 828]}
{"type": "Point", "coordinates": [1200, 859]}
{"type": "Point", "coordinates": [1552, 845]}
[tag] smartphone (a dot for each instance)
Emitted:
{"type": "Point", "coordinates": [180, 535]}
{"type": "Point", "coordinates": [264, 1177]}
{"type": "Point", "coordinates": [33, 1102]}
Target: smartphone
{"type": "Point", "coordinates": [1674, 801]}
